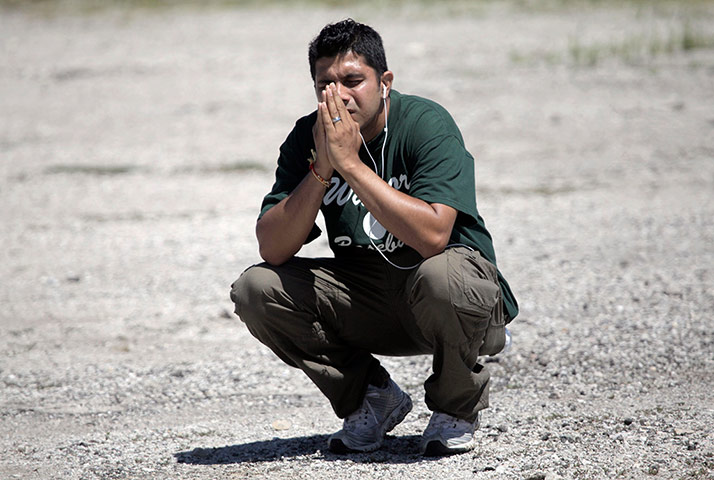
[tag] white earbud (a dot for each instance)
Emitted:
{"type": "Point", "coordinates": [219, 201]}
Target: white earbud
{"type": "Point", "coordinates": [384, 91]}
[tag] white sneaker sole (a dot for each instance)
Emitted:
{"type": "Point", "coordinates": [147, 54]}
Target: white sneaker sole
{"type": "Point", "coordinates": [437, 448]}
{"type": "Point", "coordinates": [336, 444]}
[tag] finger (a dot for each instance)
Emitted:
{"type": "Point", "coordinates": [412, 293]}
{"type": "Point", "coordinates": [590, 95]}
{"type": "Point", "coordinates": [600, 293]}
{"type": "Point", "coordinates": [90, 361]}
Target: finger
{"type": "Point", "coordinates": [332, 101]}
{"type": "Point", "coordinates": [340, 108]}
{"type": "Point", "coordinates": [320, 127]}
{"type": "Point", "coordinates": [326, 121]}
{"type": "Point", "coordinates": [324, 112]}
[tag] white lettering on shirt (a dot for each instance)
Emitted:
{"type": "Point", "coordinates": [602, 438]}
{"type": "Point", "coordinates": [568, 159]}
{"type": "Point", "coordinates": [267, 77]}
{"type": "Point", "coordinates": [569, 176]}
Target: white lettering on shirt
{"type": "Point", "coordinates": [389, 245]}
{"type": "Point", "coordinates": [340, 193]}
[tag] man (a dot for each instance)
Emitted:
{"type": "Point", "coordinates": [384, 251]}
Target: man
{"type": "Point", "coordinates": [413, 269]}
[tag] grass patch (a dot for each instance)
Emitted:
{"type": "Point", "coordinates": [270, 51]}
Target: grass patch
{"type": "Point", "coordinates": [98, 5]}
{"type": "Point", "coordinates": [239, 166]}
{"type": "Point", "coordinates": [97, 170]}
{"type": "Point", "coordinates": [452, 7]}
{"type": "Point", "coordinates": [639, 49]}
{"type": "Point", "coordinates": [636, 49]}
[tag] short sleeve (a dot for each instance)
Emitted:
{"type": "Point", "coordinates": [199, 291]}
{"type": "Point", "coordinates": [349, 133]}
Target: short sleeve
{"type": "Point", "coordinates": [443, 170]}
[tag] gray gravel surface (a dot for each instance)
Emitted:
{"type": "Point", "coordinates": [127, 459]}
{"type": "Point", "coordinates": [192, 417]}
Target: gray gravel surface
{"type": "Point", "coordinates": [136, 144]}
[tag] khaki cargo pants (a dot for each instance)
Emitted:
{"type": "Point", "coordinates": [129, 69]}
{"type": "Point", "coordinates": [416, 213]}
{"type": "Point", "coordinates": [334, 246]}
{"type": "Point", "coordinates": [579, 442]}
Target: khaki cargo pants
{"type": "Point", "coordinates": [328, 316]}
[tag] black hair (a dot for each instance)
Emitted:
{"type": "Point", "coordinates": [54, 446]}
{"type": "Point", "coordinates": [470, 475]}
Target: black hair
{"type": "Point", "coordinates": [348, 36]}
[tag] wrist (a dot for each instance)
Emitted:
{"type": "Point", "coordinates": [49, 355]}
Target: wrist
{"type": "Point", "coordinates": [325, 171]}
{"type": "Point", "coordinates": [325, 183]}
{"type": "Point", "coordinates": [350, 166]}
{"type": "Point", "coordinates": [320, 173]}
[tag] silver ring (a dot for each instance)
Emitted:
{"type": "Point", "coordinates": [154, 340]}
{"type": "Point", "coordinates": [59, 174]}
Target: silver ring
{"type": "Point", "coordinates": [336, 119]}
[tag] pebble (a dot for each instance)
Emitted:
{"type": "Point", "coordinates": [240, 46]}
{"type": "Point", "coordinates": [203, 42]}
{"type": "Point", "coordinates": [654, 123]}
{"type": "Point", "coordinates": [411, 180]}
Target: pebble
{"type": "Point", "coordinates": [281, 424]}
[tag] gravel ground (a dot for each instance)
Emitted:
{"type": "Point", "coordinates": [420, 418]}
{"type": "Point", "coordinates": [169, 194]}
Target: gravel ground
{"type": "Point", "coordinates": [135, 147]}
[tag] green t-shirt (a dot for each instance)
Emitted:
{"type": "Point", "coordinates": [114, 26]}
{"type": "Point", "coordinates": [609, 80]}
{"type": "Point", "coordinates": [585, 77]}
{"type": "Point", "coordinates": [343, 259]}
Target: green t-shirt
{"type": "Point", "coordinates": [424, 157]}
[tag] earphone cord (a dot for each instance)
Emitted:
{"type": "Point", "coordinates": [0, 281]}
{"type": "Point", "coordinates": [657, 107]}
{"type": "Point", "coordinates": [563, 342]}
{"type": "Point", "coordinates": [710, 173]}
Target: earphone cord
{"type": "Point", "coordinates": [374, 221]}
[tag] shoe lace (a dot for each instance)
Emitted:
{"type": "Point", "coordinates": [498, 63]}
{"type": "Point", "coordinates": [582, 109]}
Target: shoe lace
{"type": "Point", "coordinates": [362, 415]}
{"type": "Point", "coordinates": [443, 420]}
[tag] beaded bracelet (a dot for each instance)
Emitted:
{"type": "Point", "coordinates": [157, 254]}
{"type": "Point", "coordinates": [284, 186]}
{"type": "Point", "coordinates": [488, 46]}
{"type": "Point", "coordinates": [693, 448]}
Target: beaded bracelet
{"type": "Point", "coordinates": [319, 178]}
{"type": "Point", "coordinates": [324, 182]}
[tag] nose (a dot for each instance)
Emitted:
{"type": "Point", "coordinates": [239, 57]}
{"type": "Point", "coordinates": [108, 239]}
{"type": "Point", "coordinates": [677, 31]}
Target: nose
{"type": "Point", "coordinates": [343, 93]}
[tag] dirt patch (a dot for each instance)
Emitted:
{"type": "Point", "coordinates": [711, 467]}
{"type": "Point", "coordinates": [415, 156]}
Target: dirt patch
{"type": "Point", "coordinates": [137, 143]}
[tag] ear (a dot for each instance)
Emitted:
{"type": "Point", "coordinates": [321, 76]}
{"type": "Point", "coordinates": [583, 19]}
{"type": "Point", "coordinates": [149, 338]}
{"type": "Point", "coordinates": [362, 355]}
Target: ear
{"type": "Point", "coordinates": [386, 81]}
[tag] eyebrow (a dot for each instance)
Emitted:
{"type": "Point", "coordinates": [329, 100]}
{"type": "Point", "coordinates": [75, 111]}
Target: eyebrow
{"type": "Point", "coordinates": [350, 76]}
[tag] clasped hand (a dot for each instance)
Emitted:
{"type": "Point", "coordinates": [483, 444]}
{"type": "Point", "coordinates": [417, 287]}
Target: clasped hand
{"type": "Point", "coordinates": [336, 134]}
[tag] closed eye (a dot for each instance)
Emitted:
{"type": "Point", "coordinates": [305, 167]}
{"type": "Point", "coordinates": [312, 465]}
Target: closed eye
{"type": "Point", "coordinates": [349, 81]}
{"type": "Point", "coordinates": [352, 80]}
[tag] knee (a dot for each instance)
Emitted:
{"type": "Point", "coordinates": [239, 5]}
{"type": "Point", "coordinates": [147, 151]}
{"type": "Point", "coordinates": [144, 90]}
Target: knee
{"type": "Point", "coordinates": [250, 291]}
{"type": "Point", "coordinates": [430, 299]}
{"type": "Point", "coordinates": [452, 300]}
{"type": "Point", "coordinates": [430, 288]}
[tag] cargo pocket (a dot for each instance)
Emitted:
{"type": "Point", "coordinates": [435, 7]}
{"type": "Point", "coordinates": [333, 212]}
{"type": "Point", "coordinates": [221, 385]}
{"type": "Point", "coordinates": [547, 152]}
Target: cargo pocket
{"type": "Point", "coordinates": [476, 296]}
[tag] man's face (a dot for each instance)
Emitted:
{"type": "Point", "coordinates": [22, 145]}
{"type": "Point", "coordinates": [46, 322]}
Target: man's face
{"type": "Point", "coordinates": [357, 85]}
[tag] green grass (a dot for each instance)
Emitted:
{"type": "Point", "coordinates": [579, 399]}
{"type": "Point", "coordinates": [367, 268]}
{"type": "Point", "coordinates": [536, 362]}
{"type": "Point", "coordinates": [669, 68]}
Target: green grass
{"type": "Point", "coordinates": [639, 48]}
{"type": "Point", "coordinates": [635, 49]}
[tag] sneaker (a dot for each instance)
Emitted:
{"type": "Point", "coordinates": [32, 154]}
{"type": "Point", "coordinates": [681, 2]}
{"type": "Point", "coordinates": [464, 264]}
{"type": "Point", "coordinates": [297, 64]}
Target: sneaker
{"type": "Point", "coordinates": [363, 430]}
{"type": "Point", "coordinates": [447, 435]}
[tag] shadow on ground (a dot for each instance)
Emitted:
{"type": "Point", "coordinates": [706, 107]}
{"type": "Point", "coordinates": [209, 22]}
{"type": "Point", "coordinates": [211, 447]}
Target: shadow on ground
{"type": "Point", "coordinates": [395, 450]}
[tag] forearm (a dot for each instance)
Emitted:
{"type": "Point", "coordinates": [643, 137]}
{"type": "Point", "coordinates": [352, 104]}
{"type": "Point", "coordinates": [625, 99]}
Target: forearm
{"type": "Point", "coordinates": [423, 226]}
{"type": "Point", "coordinates": [283, 229]}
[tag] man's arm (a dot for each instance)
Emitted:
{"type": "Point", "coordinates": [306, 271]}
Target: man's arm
{"type": "Point", "coordinates": [283, 229]}
{"type": "Point", "coordinates": [423, 226]}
